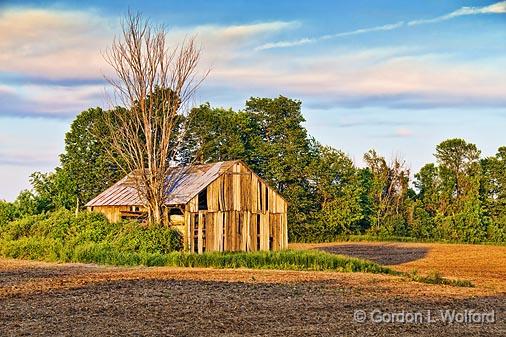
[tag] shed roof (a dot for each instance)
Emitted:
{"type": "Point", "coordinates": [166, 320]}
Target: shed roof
{"type": "Point", "coordinates": [188, 185]}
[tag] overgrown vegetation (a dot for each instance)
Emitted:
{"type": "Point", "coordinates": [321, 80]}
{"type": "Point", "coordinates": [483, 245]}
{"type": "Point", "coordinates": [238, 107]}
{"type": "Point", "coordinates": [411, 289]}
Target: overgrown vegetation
{"type": "Point", "coordinates": [88, 237]}
{"type": "Point", "coordinates": [62, 236]}
{"type": "Point", "coordinates": [462, 197]}
{"type": "Point", "coordinates": [437, 278]}
{"type": "Point", "coordinates": [459, 198]}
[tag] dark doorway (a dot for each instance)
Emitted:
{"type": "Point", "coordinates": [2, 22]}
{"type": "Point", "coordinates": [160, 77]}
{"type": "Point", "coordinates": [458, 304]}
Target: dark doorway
{"type": "Point", "coordinates": [203, 200]}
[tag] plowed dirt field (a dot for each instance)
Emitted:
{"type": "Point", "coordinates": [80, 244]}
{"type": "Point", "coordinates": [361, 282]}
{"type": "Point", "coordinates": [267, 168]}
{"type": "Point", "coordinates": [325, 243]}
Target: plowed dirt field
{"type": "Point", "coordinates": [87, 300]}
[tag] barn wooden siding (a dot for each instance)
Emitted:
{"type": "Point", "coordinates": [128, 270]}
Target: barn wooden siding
{"type": "Point", "coordinates": [112, 213]}
{"type": "Point", "coordinates": [243, 214]}
{"type": "Point", "coordinates": [238, 210]}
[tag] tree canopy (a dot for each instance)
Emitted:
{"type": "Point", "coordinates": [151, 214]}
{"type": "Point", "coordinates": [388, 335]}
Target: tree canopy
{"type": "Point", "coordinates": [459, 197]}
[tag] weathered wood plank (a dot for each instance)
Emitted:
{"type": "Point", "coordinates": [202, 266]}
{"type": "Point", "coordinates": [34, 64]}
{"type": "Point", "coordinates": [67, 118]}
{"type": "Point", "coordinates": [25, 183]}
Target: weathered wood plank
{"type": "Point", "coordinates": [219, 231]}
{"type": "Point", "coordinates": [210, 231]}
{"type": "Point", "coordinates": [254, 193]}
{"type": "Point", "coordinates": [186, 234]}
{"type": "Point", "coordinates": [241, 208]}
{"type": "Point", "coordinates": [200, 233]}
{"type": "Point", "coordinates": [193, 248]}
{"type": "Point", "coordinates": [236, 190]}
{"type": "Point", "coordinates": [265, 233]}
{"type": "Point", "coordinates": [253, 231]}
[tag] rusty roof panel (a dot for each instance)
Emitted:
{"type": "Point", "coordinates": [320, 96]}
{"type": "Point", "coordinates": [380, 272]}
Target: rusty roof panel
{"type": "Point", "coordinates": [188, 185]}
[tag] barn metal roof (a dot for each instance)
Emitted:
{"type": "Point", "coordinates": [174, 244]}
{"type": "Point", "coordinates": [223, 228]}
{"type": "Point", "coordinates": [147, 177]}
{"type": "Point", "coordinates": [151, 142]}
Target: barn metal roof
{"type": "Point", "coordinates": [188, 185]}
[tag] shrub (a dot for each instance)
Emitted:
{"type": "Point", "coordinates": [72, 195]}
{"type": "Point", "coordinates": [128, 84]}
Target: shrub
{"type": "Point", "coordinates": [496, 232]}
{"type": "Point", "coordinates": [8, 212]}
{"type": "Point", "coordinates": [89, 237]}
{"type": "Point", "coordinates": [33, 248]}
{"type": "Point", "coordinates": [20, 228]}
{"type": "Point", "coordinates": [132, 237]}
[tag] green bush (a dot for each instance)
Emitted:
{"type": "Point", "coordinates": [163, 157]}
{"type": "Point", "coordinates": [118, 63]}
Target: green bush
{"type": "Point", "coordinates": [87, 237]}
{"type": "Point", "coordinates": [20, 228]}
{"type": "Point", "coordinates": [131, 237]}
{"type": "Point", "coordinates": [496, 232]}
{"type": "Point", "coordinates": [90, 238]}
{"type": "Point", "coordinates": [33, 248]}
{"type": "Point", "coordinates": [8, 212]}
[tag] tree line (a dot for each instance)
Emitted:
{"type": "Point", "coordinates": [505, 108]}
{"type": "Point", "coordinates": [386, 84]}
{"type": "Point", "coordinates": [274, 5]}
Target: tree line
{"type": "Point", "coordinates": [459, 197]}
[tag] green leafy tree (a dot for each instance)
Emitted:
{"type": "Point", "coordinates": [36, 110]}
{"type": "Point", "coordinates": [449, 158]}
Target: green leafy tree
{"type": "Point", "coordinates": [448, 200]}
{"type": "Point", "coordinates": [426, 204]}
{"type": "Point", "coordinates": [214, 134]}
{"type": "Point", "coordinates": [460, 175]}
{"type": "Point", "coordinates": [54, 190]}
{"type": "Point", "coordinates": [86, 165]}
{"type": "Point", "coordinates": [336, 186]}
{"type": "Point", "coordinates": [27, 203]}
{"type": "Point", "coordinates": [387, 195]}
{"type": "Point", "coordinates": [428, 184]}
{"type": "Point", "coordinates": [420, 220]}
{"type": "Point", "coordinates": [280, 151]}
{"type": "Point", "coordinates": [493, 195]}
{"type": "Point", "coordinates": [459, 164]}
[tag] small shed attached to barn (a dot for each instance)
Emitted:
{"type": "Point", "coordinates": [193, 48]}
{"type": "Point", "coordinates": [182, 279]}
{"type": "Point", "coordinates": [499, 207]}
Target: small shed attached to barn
{"type": "Point", "coordinates": [221, 206]}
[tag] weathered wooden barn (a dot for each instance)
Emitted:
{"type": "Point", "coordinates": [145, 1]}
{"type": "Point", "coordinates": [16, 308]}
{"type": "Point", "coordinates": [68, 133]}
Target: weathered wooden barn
{"type": "Point", "coordinates": [221, 206]}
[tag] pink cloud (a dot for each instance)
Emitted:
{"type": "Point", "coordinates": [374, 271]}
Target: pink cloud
{"type": "Point", "coordinates": [384, 75]}
{"type": "Point", "coordinates": [403, 132]}
{"type": "Point", "coordinates": [52, 43]}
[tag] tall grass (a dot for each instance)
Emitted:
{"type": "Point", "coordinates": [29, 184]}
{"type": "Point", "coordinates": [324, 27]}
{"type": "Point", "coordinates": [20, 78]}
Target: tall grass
{"type": "Point", "coordinates": [436, 278]}
{"type": "Point", "coordinates": [90, 238]}
{"type": "Point", "coordinates": [282, 260]}
{"type": "Point", "coordinates": [61, 236]}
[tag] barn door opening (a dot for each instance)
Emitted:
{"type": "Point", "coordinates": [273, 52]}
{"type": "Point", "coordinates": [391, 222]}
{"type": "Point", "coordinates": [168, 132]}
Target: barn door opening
{"type": "Point", "coordinates": [199, 232]}
{"type": "Point", "coordinates": [258, 238]}
{"type": "Point", "coordinates": [204, 236]}
{"type": "Point", "coordinates": [195, 233]}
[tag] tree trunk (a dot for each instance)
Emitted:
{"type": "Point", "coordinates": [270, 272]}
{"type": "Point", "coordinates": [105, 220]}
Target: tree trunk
{"type": "Point", "coordinates": [155, 84]}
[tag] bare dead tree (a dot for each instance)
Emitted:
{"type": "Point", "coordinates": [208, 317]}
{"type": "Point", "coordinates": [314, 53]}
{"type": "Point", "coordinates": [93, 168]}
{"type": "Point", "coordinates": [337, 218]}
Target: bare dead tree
{"type": "Point", "coordinates": [155, 84]}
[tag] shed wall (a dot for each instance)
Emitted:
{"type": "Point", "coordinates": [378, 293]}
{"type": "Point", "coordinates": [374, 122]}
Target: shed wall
{"type": "Point", "coordinates": [243, 214]}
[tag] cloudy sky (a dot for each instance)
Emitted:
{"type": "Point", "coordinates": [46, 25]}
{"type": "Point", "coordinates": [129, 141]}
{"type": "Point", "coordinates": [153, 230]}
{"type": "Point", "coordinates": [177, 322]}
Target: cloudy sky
{"type": "Point", "coordinates": [399, 76]}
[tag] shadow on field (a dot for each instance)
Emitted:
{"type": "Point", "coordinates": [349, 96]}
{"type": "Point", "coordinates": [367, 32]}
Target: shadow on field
{"type": "Point", "coordinates": [382, 254]}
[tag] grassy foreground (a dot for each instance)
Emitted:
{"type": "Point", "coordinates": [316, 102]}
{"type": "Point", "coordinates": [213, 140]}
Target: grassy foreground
{"type": "Point", "coordinates": [283, 260]}
{"type": "Point", "coordinates": [308, 260]}
{"type": "Point", "coordinates": [90, 238]}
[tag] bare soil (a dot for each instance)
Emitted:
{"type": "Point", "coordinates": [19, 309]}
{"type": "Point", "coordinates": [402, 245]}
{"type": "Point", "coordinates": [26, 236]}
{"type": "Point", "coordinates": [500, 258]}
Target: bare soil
{"type": "Point", "coordinates": [484, 265]}
{"type": "Point", "coordinates": [49, 299]}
